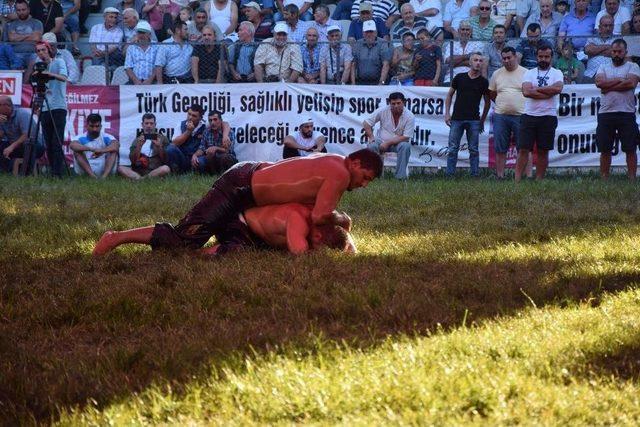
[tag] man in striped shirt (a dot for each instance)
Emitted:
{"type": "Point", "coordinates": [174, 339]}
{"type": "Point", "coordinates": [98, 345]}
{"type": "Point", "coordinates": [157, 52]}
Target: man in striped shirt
{"type": "Point", "coordinates": [383, 9]}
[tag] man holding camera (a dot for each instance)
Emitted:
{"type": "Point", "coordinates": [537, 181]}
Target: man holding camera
{"type": "Point", "coordinates": [50, 75]}
{"type": "Point", "coordinates": [103, 149]}
{"type": "Point", "coordinates": [147, 153]}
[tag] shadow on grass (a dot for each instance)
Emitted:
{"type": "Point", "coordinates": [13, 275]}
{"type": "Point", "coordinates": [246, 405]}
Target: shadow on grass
{"type": "Point", "coordinates": [76, 328]}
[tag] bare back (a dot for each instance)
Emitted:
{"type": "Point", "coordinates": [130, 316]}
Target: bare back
{"type": "Point", "coordinates": [281, 226]}
{"type": "Point", "coordinates": [317, 180]}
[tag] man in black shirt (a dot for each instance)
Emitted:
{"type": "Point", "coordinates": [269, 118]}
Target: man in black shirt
{"type": "Point", "coordinates": [206, 66]}
{"type": "Point", "coordinates": [470, 88]}
{"type": "Point", "coordinates": [49, 12]}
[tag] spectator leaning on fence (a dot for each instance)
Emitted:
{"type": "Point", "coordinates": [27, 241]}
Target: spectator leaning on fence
{"type": "Point", "coordinates": [241, 55]}
{"type": "Point", "coordinates": [366, 14]}
{"type": "Point", "coordinates": [276, 60]}
{"type": "Point", "coordinates": [617, 81]}
{"type": "Point", "coordinates": [371, 57]}
{"type": "Point", "coordinates": [427, 61]}
{"type": "Point", "coordinates": [147, 155]}
{"type": "Point", "coordinates": [207, 63]}
{"type": "Point", "coordinates": [173, 59]}
{"type": "Point", "coordinates": [548, 19]}
{"type": "Point", "coordinates": [336, 59]}
{"type": "Point", "coordinates": [598, 49]}
{"type": "Point", "coordinates": [141, 56]}
{"type": "Point", "coordinates": [297, 28]}
{"type": "Point", "coordinates": [95, 153]}
{"type": "Point", "coordinates": [105, 39]}
{"type": "Point", "coordinates": [24, 32]}
{"type": "Point", "coordinates": [310, 52]}
{"type": "Point", "coordinates": [216, 152]}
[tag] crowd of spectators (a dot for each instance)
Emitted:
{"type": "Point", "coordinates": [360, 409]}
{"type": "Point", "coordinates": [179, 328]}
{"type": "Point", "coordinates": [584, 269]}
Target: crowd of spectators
{"type": "Point", "coordinates": [407, 42]}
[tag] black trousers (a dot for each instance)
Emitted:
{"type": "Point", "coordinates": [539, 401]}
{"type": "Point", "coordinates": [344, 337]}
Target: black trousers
{"type": "Point", "coordinates": [53, 123]}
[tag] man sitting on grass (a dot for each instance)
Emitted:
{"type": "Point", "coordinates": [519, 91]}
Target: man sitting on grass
{"type": "Point", "coordinates": [276, 226]}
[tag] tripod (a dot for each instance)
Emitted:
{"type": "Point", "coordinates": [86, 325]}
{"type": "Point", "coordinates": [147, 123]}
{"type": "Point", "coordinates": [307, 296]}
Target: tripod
{"type": "Point", "coordinates": [38, 99]}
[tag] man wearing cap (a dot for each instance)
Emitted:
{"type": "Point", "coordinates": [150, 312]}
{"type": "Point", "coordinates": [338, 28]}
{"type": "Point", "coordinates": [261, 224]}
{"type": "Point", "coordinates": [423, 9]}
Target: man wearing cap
{"type": "Point", "coordinates": [173, 60]}
{"type": "Point", "coordinates": [366, 14]}
{"type": "Point", "coordinates": [371, 56]}
{"type": "Point", "coordinates": [276, 60]}
{"type": "Point", "coordinates": [110, 34]}
{"type": "Point", "coordinates": [50, 13]}
{"type": "Point", "coordinates": [141, 56]}
{"type": "Point", "coordinates": [304, 142]}
{"type": "Point", "coordinates": [62, 53]}
{"type": "Point", "coordinates": [322, 21]}
{"type": "Point", "coordinates": [297, 28]}
{"type": "Point", "coordinates": [395, 132]}
{"type": "Point", "coordinates": [130, 20]}
{"type": "Point", "coordinates": [335, 59]}
{"type": "Point", "coordinates": [261, 23]}
{"type": "Point", "coordinates": [265, 7]}
{"type": "Point", "coordinates": [383, 9]}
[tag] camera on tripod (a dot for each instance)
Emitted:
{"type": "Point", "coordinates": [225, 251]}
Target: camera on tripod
{"type": "Point", "coordinates": [38, 79]}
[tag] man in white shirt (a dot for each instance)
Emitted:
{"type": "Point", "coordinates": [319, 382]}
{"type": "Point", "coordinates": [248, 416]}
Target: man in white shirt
{"type": "Point", "coordinates": [430, 9]}
{"type": "Point", "coordinates": [95, 153]}
{"type": "Point", "coordinates": [304, 142]}
{"type": "Point", "coordinates": [540, 87]}
{"type": "Point", "coordinates": [621, 17]}
{"type": "Point", "coordinates": [111, 35]}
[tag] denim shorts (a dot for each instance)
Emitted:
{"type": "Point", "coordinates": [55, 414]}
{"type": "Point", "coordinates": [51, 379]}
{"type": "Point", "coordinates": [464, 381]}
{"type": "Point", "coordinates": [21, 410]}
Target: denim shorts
{"type": "Point", "coordinates": [504, 125]}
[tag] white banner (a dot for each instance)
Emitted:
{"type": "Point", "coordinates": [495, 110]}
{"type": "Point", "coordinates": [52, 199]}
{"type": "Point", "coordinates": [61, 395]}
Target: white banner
{"type": "Point", "coordinates": [262, 114]}
{"type": "Point", "coordinates": [11, 85]}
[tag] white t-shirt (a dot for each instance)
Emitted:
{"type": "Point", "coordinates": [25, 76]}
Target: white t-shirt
{"type": "Point", "coordinates": [620, 18]}
{"type": "Point", "coordinates": [539, 78]}
{"type": "Point", "coordinates": [306, 142]}
{"type": "Point", "coordinates": [97, 163]}
{"type": "Point", "coordinates": [614, 101]}
{"type": "Point", "coordinates": [418, 6]}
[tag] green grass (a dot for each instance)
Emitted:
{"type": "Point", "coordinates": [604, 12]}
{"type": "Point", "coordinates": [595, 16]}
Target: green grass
{"type": "Point", "coordinates": [475, 302]}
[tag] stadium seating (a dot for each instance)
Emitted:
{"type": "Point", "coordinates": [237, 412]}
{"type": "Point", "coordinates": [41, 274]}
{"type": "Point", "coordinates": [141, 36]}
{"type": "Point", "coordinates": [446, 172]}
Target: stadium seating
{"type": "Point", "coordinates": [94, 75]}
{"type": "Point", "coordinates": [120, 77]}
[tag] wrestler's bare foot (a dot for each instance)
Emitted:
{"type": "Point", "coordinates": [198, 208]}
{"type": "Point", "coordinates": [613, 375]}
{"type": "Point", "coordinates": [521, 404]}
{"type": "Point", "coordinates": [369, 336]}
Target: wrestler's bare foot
{"type": "Point", "coordinates": [105, 244]}
{"type": "Point", "coordinates": [210, 251]}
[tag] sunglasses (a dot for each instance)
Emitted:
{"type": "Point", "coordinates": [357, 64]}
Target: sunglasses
{"type": "Point", "coordinates": [484, 8]}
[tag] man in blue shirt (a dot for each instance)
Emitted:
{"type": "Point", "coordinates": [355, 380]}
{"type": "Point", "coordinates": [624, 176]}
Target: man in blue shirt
{"type": "Point", "coordinates": [578, 25]}
{"type": "Point", "coordinates": [366, 14]}
{"type": "Point", "coordinates": [14, 132]}
{"type": "Point", "coordinates": [215, 154]}
{"type": "Point", "coordinates": [182, 148]}
{"type": "Point", "coordinates": [173, 59]}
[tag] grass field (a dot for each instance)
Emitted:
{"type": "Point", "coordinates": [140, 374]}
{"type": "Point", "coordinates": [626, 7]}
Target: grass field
{"type": "Point", "coordinates": [471, 302]}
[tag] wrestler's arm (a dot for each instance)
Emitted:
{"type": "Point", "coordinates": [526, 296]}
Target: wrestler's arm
{"type": "Point", "coordinates": [297, 229]}
{"type": "Point", "coordinates": [327, 199]}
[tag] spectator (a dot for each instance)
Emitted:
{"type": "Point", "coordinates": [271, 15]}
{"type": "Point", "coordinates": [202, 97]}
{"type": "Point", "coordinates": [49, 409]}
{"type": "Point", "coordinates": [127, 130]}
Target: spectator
{"type": "Point", "coordinates": [427, 61]}
{"type": "Point", "coordinates": [130, 20]}
{"type": "Point", "coordinates": [224, 15]}
{"type": "Point", "coordinates": [617, 81]}
{"type": "Point", "coordinates": [141, 56]}
{"type": "Point", "coordinates": [505, 90]}
{"type": "Point", "coordinates": [73, 72]}
{"type": "Point", "coordinates": [403, 60]}
{"type": "Point", "coordinates": [276, 60]}
{"type": "Point", "coordinates": [462, 50]}
{"type": "Point", "coordinates": [342, 11]}
{"type": "Point", "coordinates": [548, 19]}
{"type": "Point", "coordinates": [430, 9]}
{"type": "Point", "coordinates": [194, 28]}
{"type": "Point", "coordinates": [572, 69]}
{"type": "Point", "coordinates": [49, 12]}
{"type": "Point", "coordinates": [206, 61]}
{"type": "Point", "coordinates": [371, 57]}
{"type": "Point", "coordinates": [562, 7]}
{"type": "Point", "coordinates": [173, 60]}
{"type": "Point", "coordinates": [8, 12]}
{"type": "Point", "coordinates": [215, 154]}
{"type": "Point", "coordinates": [161, 14]}
{"type": "Point", "coordinates": [409, 23]}
{"type": "Point", "coordinates": [395, 132]}
{"type": "Point", "coordinates": [621, 17]}
{"type": "Point", "coordinates": [598, 49]}
{"type": "Point", "coordinates": [303, 6]}
{"type": "Point", "coordinates": [493, 51]}
{"type": "Point", "coordinates": [471, 87]}
{"type": "Point", "coordinates": [14, 132]}
{"type": "Point", "coordinates": [242, 54]}
{"type": "Point", "coordinates": [297, 28]}
{"type": "Point", "coordinates": [23, 32]}
{"type": "Point", "coordinates": [635, 25]}
{"type": "Point", "coordinates": [366, 14]}
{"type": "Point", "coordinates": [386, 10]}
{"type": "Point", "coordinates": [304, 142]}
{"type": "Point", "coordinates": [627, 4]}
{"type": "Point", "coordinates": [540, 87]}
{"type": "Point", "coordinates": [102, 146]}
{"type": "Point", "coordinates": [310, 52]}
{"type": "Point", "coordinates": [504, 13]}
{"type": "Point", "coordinates": [265, 7]}
{"type": "Point", "coordinates": [147, 153]}
{"type": "Point", "coordinates": [181, 150]}
{"type": "Point", "coordinates": [482, 24]}
{"type": "Point", "coordinates": [455, 12]}
{"type": "Point", "coordinates": [261, 23]}
{"type": "Point", "coordinates": [524, 9]}
{"type": "Point", "coordinates": [71, 22]}
{"type": "Point", "coordinates": [136, 5]}
{"type": "Point", "coordinates": [8, 58]}
{"type": "Point", "coordinates": [336, 59]}
{"type": "Point", "coordinates": [322, 22]}
{"type": "Point", "coordinates": [578, 24]}
{"type": "Point", "coordinates": [109, 34]}
{"type": "Point", "coordinates": [528, 48]}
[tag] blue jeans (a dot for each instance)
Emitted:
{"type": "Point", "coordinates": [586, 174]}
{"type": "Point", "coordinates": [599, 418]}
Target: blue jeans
{"type": "Point", "coordinates": [472, 128]}
{"type": "Point", "coordinates": [177, 160]}
{"type": "Point", "coordinates": [404, 152]}
{"type": "Point", "coordinates": [503, 126]}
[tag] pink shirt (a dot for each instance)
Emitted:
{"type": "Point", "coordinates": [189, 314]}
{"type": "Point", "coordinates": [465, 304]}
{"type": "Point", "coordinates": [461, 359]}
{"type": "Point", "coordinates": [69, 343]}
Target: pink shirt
{"type": "Point", "coordinates": [155, 15]}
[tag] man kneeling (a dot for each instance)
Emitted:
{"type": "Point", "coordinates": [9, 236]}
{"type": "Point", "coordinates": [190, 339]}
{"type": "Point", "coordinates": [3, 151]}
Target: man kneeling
{"type": "Point", "coordinates": [284, 226]}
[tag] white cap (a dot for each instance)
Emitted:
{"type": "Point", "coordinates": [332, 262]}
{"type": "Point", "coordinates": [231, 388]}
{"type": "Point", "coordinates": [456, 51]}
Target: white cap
{"type": "Point", "coordinates": [369, 25]}
{"type": "Point", "coordinates": [111, 9]}
{"type": "Point", "coordinates": [280, 27]}
{"type": "Point", "coordinates": [333, 28]}
{"type": "Point", "coordinates": [252, 4]}
{"type": "Point", "coordinates": [143, 26]}
{"type": "Point", "coordinates": [307, 121]}
{"type": "Point", "coordinates": [49, 37]}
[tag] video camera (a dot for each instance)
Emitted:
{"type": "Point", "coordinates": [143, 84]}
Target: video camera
{"type": "Point", "coordinates": [38, 79]}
